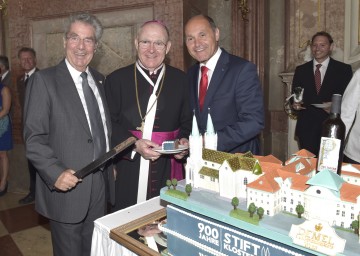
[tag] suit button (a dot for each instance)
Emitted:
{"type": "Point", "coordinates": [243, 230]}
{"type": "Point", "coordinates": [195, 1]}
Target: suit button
{"type": "Point", "coordinates": [90, 140]}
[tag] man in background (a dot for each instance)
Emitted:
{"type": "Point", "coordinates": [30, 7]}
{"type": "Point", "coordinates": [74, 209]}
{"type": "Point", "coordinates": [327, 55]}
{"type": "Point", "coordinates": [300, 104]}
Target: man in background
{"type": "Point", "coordinates": [320, 78]}
{"type": "Point", "coordinates": [27, 59]}
{"type": "Point", "coordinates": [227, 85]}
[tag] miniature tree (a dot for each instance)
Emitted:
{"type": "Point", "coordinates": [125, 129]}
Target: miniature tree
{"type": "Point", "coordinates": [168, 183]}
{"type": "Point", "coordinates": [188, 189]}
{"type": "Point", "coordinates": [355, 226]}
{"type": "Point", "coordinates": [235, 202]}
{"type": "Point", "coordinates": [252, 209]}
{"type": "Point", "coordinates": [299, 210]}
{"type": "Point", "coordinates": [260, 211]}
{"type": "Point", "coordinates": [174, 183]}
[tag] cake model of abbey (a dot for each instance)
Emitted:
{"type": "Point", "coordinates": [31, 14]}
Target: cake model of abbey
{"type": "Point", "coordinates": [264, 182]}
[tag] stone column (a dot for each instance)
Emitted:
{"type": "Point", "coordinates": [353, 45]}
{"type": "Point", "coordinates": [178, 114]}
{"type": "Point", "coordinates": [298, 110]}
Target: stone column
{"type": "Point", "coordinates": [292, 145]}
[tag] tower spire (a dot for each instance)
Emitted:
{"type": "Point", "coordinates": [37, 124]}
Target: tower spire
{"type": "Point", "coordinates": [210, 134]}
{"type": "Point", "coordinates": [195, 128]}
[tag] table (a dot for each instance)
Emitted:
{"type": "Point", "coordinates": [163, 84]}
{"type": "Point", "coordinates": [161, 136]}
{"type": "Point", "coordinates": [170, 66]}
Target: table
{"type": "Point", "coordinates": [102, 244]}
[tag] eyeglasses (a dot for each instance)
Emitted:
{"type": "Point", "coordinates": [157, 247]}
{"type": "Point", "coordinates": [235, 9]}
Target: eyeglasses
{"type": "Point", "coordinates": [158, 45]}
{"type": "Point", "coordinates": [76, 40]}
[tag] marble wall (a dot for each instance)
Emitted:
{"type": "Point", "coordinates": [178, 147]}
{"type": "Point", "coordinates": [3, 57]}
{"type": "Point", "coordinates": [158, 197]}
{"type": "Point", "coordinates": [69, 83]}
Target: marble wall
{"type": "Point", "coordinates": [292, 24]}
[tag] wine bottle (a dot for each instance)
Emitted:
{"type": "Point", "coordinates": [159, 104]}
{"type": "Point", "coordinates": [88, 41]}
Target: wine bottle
{"type": "Point", "coordinates": [332, 139]}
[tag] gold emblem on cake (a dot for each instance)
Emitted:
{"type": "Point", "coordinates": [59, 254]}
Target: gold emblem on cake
{"type": "Point", "coordinates": [318, 227]}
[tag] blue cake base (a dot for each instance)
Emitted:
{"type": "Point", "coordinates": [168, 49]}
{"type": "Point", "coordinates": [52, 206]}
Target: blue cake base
{"type": "Point", "coordinates": [214, 210]}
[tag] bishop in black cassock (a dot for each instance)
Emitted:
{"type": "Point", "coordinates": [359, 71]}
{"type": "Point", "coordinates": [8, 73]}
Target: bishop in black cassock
{"type": "Point", "coordinates": [173, 116]}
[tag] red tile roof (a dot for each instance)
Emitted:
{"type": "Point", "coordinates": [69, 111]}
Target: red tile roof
{"type": "Point", "coordinates": [265, 183]}
{"type": "Point", "coordinates": [304, 153]}
{"type": "Point", "coordinates": [349, 192]}
{"type": "Point", "coordinates": [292, 167]}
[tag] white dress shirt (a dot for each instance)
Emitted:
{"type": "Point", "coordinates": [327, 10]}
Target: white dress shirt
{"type": "Point", "coordinates": [75, 74]}
{"type": "Point", "coordinates": [350, 107]}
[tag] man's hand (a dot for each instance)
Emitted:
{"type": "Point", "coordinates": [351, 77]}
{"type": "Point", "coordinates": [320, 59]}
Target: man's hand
{"type": "Point", "coordinates": [183, 153]}
{"type": "Point", "coordinates": [327, 109]}
{"type": "Point", "coordinates": [297, 106]}
{"type": "Point", "coordinates": [67, 180]}
{"type": "Point", "coordinates": [145, 149]}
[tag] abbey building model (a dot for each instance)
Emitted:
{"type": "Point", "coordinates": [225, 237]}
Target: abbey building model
{"type": "Point", "coordinates": [272, 185]}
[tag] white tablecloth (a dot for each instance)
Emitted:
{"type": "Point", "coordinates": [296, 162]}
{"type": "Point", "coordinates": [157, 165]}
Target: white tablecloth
{"type": "Point", "coordinates": [102, 244]}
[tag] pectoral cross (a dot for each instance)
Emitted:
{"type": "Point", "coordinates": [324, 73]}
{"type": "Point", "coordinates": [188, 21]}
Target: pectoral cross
{"type": "Point", "coordinates": [141, 128]}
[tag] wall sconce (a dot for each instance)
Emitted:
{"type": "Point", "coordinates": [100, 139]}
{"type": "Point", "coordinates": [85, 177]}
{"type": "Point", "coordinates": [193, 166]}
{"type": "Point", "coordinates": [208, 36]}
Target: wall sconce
{"type": "Point", "coordinates": [243, 6]}
{"type": "Point", "coordinates": [3, 6]}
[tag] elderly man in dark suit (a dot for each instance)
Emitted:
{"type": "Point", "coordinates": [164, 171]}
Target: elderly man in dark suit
{"type": "Point", "coordinates": [27, 59]}
{"type": "Point", "coordinates": [66, 127]}
{"type": "Point", "coordinates": [232, 92]}
{"type": "Point", "coordinates": [320, 78]}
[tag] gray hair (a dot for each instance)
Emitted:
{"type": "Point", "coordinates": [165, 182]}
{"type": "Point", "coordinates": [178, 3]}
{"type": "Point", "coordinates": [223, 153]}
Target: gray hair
{"type": "Point", "coordinates": [211, 22]}
{"type": "Point", "coordinates": [85, 18]}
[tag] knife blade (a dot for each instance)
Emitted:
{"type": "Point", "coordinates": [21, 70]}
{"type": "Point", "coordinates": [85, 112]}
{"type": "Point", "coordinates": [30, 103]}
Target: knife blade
{"type": "Point", "coordinates": [90, 168]}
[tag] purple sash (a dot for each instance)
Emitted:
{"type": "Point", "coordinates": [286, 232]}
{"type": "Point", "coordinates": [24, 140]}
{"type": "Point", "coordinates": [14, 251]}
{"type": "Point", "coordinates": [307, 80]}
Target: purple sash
{"type": "Point", "coordinates": [159, 138]}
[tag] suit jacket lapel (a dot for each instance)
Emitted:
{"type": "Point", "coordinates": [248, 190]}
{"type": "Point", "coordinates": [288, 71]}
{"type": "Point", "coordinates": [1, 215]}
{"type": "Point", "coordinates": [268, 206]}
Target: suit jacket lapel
{"type": "Point", "coordinates": [329, 73]}
{"type": "Point", "coordinates": [194, 82]}
{"type": "Point", "coordinates": [68, 88]}
{"type": "Point", "coordinates": [311, 77]}
{"type": "Point", "coordinates": [100, 85]}
{"type": "Point", "coordinates": [217, 76]}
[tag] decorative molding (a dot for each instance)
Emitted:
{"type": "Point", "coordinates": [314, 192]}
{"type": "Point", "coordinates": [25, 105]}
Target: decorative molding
{"type": "Point", "coordinates": [3, 6]}
{"type": "Point", "coordinates": [287, 80]}
{"type": "Point", "coordinates": [116, 48]}
{"type": "Point", "coordinates": [243, 6]}
{"type": "Point", "coordinates": [351, 35]}
{"type": "Point", "coordinates": [292, 144]}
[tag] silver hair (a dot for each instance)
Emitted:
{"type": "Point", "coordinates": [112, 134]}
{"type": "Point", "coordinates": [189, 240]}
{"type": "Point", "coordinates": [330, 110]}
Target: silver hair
{"type": "Point", "coordinates": [85, 18]}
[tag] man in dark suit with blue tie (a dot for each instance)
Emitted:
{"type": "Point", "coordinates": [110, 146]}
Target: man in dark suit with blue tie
{"type": "Point", "coordinates": [231, 92]}
{"type": "Point", "coordinates": [66, 127]}
{"type": "Point", "coordinates": [333, 77]}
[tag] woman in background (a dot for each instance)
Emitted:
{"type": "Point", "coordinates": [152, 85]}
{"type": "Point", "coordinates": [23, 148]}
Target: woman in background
{"type": "Point", "coordinates": [5, 137]}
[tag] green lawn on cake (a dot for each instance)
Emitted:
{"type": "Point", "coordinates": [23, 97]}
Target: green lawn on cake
{"type": "Point", "coordinates": [244, 216]}
{"type": "Point", "coordinates": [177, 194]}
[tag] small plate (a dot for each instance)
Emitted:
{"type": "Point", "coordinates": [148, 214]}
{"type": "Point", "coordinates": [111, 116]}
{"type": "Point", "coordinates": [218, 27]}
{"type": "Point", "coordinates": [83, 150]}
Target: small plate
{"type": "Point", "coordinates": [161, 239]}
{"type": "Point", "coordinates": [172, 151]}
{"type": "Point", "coordinates": [322, 105]}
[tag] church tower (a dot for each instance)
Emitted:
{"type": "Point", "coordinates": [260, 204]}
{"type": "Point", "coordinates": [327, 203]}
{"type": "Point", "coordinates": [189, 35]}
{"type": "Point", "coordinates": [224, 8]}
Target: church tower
{"type": "Point", "coordinates": [210, 134]}
{"type": "Point", "coordinates": [194, 160]}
